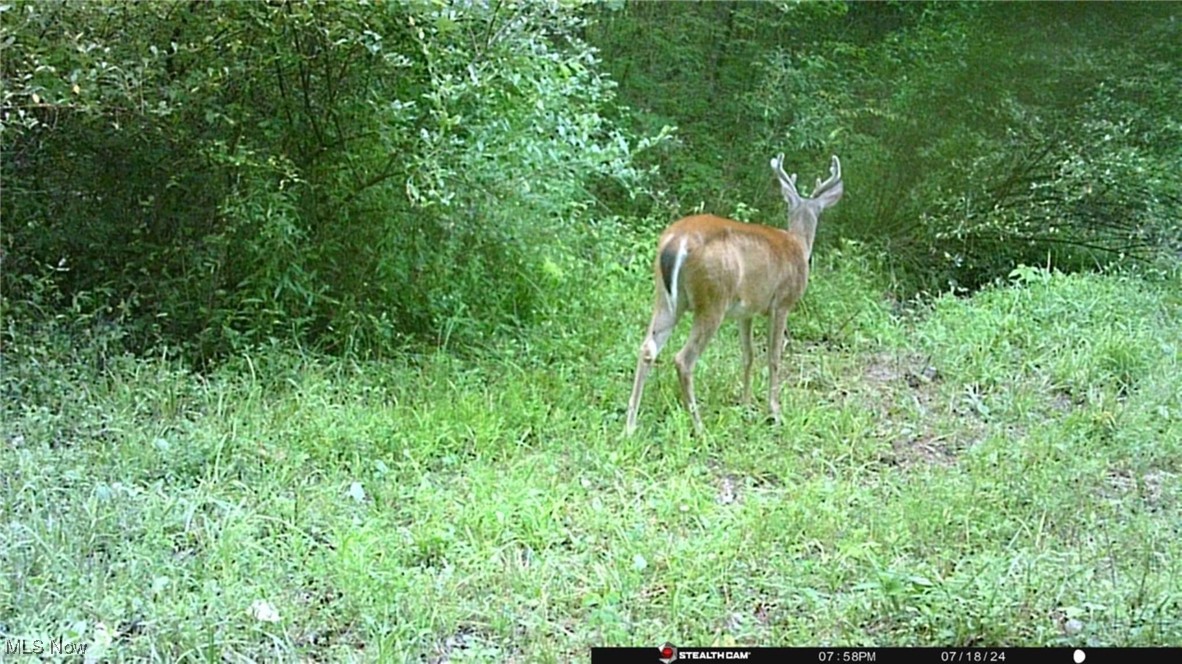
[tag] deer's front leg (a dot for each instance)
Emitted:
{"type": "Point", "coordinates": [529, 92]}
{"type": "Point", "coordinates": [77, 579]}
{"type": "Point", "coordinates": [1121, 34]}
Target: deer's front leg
{"type": "Point", "coordinates": [748, 358]}
{"type": "Point", "coordinates": [779, 318]}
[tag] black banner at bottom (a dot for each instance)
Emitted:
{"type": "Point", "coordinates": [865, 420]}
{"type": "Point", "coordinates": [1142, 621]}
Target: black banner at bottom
{"type": "Point", "coordinates": [668, 653]}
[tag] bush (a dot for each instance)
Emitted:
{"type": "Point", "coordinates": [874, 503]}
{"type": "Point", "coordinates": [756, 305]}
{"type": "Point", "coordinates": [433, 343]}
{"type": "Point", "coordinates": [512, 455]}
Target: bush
{"type": "Point", "coordinates": [347, 177]}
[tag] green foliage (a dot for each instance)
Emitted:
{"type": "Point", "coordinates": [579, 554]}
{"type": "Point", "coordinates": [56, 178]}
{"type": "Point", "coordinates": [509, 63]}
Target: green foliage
{"type": "Point", "coordinates": [364, 178]}
{"type": "Point", "coordinates": [689, 66]}
{"type": "Point", "coordinates": [1082, 173]}
{"type": "Point", "coordinates": [974, 137]}
{"type": "Point", "coordinates": [346, 176]}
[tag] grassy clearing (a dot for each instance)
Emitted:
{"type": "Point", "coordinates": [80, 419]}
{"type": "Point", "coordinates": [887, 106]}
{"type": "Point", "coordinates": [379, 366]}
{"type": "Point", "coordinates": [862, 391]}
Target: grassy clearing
{"type": "Point", "coordinates": [1002, 469]}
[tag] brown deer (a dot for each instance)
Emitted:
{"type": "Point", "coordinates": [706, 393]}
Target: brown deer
{"type": "Point", "coordinates": [721, 269]}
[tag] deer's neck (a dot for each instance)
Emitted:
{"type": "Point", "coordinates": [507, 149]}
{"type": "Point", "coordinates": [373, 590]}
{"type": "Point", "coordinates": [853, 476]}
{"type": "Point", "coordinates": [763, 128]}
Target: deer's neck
{"type": "Point", "coordinates": [804, 226]}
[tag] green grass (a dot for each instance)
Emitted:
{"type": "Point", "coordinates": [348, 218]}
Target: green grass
{"type": "Point", "coordinates": [979, 472]}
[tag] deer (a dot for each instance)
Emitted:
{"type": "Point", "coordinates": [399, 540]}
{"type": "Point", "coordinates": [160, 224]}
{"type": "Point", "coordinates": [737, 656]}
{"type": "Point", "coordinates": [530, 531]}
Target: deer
{"type": "Point", "coordinates": [721, 269]}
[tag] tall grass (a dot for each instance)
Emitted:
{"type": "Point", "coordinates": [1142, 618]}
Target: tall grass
{"type": "Point", "coordinates": [994, 470]}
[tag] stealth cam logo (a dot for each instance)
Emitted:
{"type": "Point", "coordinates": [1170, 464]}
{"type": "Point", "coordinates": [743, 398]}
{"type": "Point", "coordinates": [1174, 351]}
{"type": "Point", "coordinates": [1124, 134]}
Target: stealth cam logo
{"type": "Point", "coordinates": [668, 653]}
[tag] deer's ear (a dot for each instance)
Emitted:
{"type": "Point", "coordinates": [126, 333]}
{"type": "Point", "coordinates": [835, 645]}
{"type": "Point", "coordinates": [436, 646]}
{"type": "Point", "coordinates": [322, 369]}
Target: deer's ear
{"type": "Point", "coordinates": [830, 196]}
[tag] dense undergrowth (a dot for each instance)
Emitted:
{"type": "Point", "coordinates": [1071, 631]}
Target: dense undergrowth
{"type": "Point", "coordinates": [360, 178]}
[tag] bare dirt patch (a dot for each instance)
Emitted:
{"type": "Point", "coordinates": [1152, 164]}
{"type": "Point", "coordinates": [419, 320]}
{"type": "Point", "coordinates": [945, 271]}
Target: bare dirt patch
{"type": "Point", "coordinates": [469, 642]}
{"type": "Point", "coordinates": [924, 448]}
{"type": "Point", "coordinates": [727, 492]}
{"type": "Point", "coordinates": [915, 369]}
{"type": "Point", "coordinates": [903, 390]}
{"type": "Point", "coordinates": [321, 637]}
{"type": "Point", "coordinates": [732, 487]}
{"type": "Point", "coordinates": [1153, 488]}
{"type": "Point", "coordinates": [1063, 402]}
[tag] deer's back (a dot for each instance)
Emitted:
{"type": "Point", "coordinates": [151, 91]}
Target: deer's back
{"type": "Point", "coordinates": [742, 268]}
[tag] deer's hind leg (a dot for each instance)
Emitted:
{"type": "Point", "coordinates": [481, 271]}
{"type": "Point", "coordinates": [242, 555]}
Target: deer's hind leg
{"type": "Point", "coordinates": [706, 324]}
{"type": "Point", "coordinates": [660, 328]}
